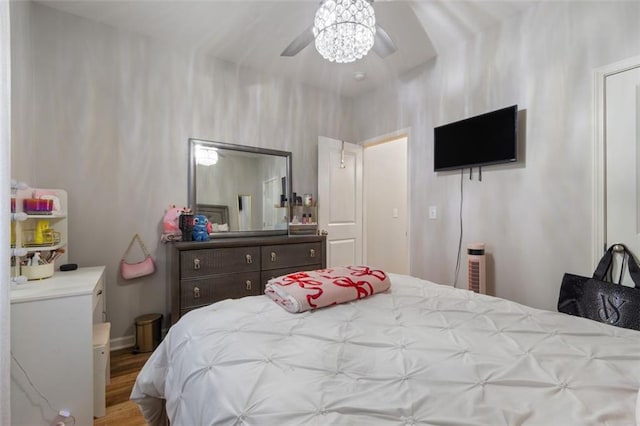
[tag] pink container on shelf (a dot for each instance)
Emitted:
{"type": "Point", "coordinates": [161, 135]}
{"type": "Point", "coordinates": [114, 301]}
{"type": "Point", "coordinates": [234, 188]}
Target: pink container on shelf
{"type": "Point", "coordinates": [37, 206]}
{"type": "Point", "coordinates": [13, 205]}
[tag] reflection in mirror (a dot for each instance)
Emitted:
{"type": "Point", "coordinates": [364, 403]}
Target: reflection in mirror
{"type": "Point", "coordinates": [244, 212]}
{"type": "Point", "coordinates": [241, 189]}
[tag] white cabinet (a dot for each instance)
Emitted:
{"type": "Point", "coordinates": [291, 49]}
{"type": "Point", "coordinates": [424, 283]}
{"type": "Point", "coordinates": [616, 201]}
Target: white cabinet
{"type": "Point", "coordinates": [52, 340]}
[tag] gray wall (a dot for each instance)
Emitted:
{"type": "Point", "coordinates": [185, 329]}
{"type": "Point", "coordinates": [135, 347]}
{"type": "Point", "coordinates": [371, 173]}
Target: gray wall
{"type": "Point", "coordinates": [106, 115]}
{"type": "Point", "coordinates": [535, 216]}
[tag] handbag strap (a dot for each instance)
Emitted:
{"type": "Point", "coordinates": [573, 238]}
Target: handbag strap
{"type": "Point", "coordinates": [133, 240]}
{"type": "Point", "coordinates": [605, 264]}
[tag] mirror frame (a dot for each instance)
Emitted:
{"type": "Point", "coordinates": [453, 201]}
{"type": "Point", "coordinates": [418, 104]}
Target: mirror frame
{"type": "Point", "coordinates": [191, 185]}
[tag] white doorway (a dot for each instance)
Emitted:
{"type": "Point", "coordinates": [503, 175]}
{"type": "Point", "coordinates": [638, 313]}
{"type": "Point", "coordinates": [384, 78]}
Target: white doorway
{"type": "Point", "coordinates": [342, 200]}
{"type": "Point", "coordinates": [617, 159]}
{"type": "Point", "coordinates": [386, 243]}
{"type": "Point", "coordinates": [622, 97]}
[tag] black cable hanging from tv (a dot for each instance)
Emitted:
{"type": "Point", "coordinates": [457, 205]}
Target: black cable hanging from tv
{"type": "Point", "coordinates": [457, 270]}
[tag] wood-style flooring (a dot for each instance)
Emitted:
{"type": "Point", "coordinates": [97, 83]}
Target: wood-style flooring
{"type": "Point", "coordinates": [125, 366]}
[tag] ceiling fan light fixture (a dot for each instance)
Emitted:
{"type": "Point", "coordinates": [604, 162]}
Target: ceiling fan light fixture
{"type": "Point", "coordinates": [206, 156]}
{"type": "Point", "coordinates": [344, 30]}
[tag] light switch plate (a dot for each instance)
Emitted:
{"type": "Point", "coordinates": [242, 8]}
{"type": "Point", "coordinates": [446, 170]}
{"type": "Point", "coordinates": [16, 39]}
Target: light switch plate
{"type": "Point", "coordinates": [433, 212]}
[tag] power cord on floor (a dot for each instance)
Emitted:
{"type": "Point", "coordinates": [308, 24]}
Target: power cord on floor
{"type": "Point", "coordinates": [62, 415]}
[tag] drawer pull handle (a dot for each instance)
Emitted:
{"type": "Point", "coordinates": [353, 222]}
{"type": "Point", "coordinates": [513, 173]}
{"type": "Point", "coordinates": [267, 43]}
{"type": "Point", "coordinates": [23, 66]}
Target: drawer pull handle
{"type": "Point", "coordinates": [248, 285]}
{"type": "Point", "coordinates": [196, 292]}
{"type": "Point", "coordinates": [312, 253]}
{"type": "Point", "coordinates": [99, 292]}
{"type": "Point", "coordinates": [249, 258]}
{"type": "Point", "coordinates": [274, 256]}
{"type": "Point", "coordinates": [196, 264]}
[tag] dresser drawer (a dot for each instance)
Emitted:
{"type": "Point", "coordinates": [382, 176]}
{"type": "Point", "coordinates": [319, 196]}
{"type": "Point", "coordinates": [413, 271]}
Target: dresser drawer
{"type": "Point", "coordinates": [205, 291]}
{"type": "Point", "coordinates": [274, 273]}
{"type": "Point", "coordinates": [291, 255]}
{"type": "Point", "coordinates": [197, 263]}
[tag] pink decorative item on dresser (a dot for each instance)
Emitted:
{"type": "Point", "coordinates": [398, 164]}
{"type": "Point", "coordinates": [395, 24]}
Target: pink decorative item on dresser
{"type": "Point", "coordinates": [171, 223]}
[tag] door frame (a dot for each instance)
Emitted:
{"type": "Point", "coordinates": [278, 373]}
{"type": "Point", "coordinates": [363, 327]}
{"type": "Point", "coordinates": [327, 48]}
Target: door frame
{"type": "Point", "coordinates": [401, 133]}
{"type": "Point", "coordinates": [599, 238]}
{"type": "Point", "coordinates": [5, 191]}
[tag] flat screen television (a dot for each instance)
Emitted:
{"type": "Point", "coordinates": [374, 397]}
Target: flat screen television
{"type": "Point", "coordinates": [485, 139]}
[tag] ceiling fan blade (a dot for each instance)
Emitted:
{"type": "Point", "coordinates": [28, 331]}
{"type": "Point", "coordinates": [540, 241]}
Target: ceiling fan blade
{"type": "Point", "coordinates": [383, 45]}
{"type": "Point", "coordinates": [299, 42]}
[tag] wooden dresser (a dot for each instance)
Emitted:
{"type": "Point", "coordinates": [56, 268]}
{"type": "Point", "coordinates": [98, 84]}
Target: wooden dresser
{"type": "Point", "coordinates": [204, 272]}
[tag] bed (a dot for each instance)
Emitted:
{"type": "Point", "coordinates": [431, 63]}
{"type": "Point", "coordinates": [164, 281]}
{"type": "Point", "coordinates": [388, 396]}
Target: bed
{"type": "Point", "coordinates": [419, 353]}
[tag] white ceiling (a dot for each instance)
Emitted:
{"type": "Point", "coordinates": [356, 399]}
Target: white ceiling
{"type": "Point", "coordinates": [254, 33]}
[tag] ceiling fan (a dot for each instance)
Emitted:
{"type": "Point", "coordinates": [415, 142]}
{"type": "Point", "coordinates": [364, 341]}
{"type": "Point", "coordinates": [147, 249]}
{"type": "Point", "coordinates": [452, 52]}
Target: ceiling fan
{"type": "Point", "coordinates": [383, 46]}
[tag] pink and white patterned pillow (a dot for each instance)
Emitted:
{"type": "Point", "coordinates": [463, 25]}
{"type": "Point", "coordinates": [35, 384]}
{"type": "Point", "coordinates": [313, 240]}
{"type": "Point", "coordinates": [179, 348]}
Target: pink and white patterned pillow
{"type": "Point", "coordinates": [306, 290]}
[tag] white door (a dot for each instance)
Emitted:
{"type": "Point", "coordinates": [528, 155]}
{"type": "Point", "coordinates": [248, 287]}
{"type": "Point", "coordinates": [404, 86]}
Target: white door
{"type": "Point", "coordinates": [340, 200]}
{"type": "Point", "coordinates": [622, 143]}
{"type": "Point", "coordinates": [386, 213]}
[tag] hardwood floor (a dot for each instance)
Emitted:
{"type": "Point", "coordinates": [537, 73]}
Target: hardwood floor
{"type": "Point", "coordinates": [125, 366]}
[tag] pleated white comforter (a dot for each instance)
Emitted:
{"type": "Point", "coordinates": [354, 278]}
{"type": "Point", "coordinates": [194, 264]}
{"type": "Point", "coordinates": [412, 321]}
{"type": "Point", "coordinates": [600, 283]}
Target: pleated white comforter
{"type": "Point", "coordinates": [419, 353]}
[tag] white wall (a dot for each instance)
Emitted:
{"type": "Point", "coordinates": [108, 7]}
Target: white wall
{"type": "Point", "coordinates": [535, 216]}
{"type": "Point", "coordinates": [106, 115]}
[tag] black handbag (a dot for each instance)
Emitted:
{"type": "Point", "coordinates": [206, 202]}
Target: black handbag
{"type": "Point", "coordinates": [600, 299]}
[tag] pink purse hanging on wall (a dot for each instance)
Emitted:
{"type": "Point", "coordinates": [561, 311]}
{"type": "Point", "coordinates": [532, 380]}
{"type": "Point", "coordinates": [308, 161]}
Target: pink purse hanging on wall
{"type": "Point", "coordinates": [130, 271]}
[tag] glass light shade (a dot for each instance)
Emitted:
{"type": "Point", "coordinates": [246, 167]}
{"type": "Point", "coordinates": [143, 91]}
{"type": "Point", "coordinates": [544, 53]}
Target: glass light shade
{"type": "Point", "coordinates": [206, 156]}
{"type": "Point", "coordinates": [344, 30]}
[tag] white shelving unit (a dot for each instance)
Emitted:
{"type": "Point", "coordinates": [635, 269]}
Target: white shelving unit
{"type": "Point", "coordinates": [25, 226]}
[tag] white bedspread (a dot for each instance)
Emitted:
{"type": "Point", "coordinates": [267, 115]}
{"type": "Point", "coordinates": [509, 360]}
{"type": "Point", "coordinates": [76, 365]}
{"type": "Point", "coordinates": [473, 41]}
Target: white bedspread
{"type": "Point", "coordinates": [419, 353]}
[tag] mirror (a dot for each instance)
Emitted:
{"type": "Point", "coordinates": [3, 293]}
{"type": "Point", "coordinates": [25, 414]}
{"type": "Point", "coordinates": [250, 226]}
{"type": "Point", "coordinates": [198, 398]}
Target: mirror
{"type": "Point", "coordinates": [241, 189]}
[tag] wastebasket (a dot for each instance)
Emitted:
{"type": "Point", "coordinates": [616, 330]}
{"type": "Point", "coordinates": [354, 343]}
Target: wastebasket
{"type": "Point", "coordinates": [148, 332]}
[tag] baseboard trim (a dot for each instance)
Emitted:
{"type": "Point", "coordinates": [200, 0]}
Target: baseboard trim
{"type": "Point", "coordinates": [127, 341]}
{"type": "Point", "coordinates": [122, 342]}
